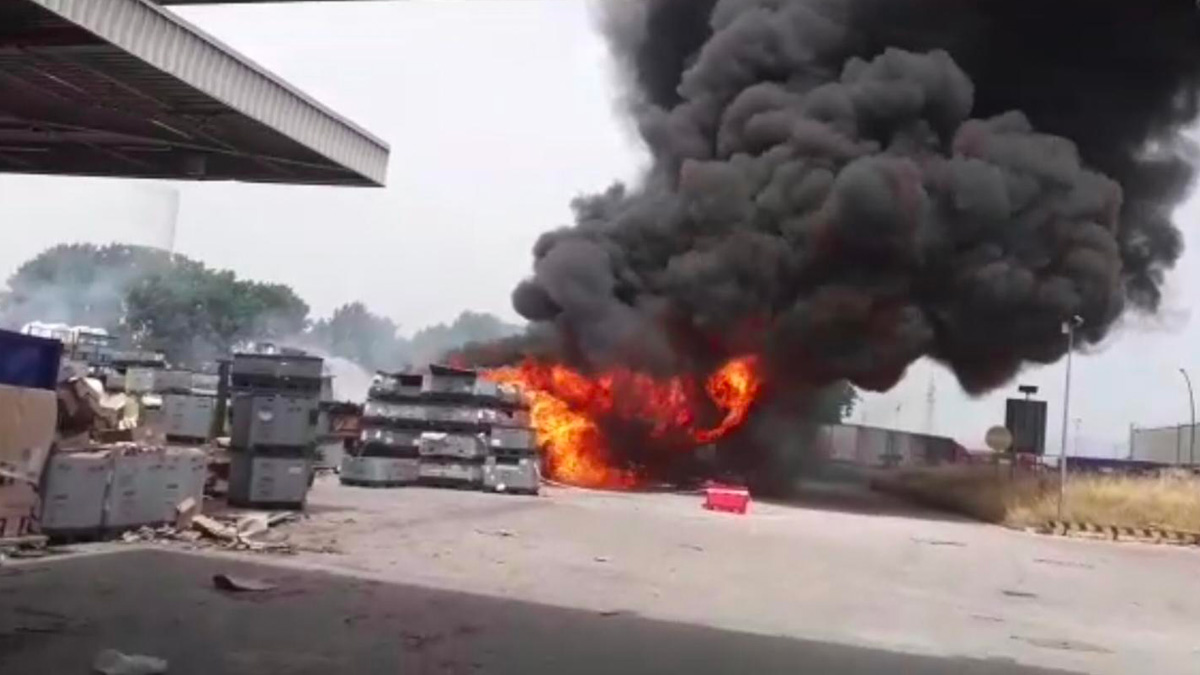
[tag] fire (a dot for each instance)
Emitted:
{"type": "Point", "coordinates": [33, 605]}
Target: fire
{"type": "Point", "coordinates": [567, 408]}
{"type": "Point", "coordinates": [734, 389]}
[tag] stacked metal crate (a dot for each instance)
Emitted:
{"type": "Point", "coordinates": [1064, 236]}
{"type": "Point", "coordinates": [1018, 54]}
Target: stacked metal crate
{"type": "Point", "coordinates": [445, 427]}
{"type": "Point", "coordinates": [273, 428]}
{"type": "Point", "coordinates": [513, 464]}
{"type": "Point", "coordinates": [113, 488]}
{"type": "Point", "coordinates": [74, 496]}
{"type": "Point", "coordinates": [454, 448]}
{"type": "Point", "coordinates": [148, 483]}
{"type": "Point", "coordinates": [392, 422]}
{"type": "Point", "coordinates": [189, 404]}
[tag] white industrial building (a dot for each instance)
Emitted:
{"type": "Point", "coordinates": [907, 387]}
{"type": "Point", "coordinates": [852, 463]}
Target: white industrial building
{"type": "Point", "coordinates": [1165, 445]}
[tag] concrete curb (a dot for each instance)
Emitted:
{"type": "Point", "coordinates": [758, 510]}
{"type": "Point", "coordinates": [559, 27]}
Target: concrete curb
{"type": "Point", "coordinates": [1145, 535]}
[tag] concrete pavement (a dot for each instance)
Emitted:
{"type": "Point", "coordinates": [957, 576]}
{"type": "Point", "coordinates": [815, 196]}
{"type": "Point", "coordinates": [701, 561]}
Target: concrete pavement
{"type": "Point", "coordinates": [56, 616]}
{"type": "Point", "coordinates": [446, 581]}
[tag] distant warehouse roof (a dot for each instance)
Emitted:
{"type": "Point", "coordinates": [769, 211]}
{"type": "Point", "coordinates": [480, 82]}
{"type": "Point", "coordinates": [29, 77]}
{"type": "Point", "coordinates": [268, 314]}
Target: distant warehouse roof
{"type": "Point", "coordinates": [127, 88]}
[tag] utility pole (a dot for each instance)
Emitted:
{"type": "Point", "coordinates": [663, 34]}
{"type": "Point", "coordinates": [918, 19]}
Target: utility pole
{"type": "Point", "coordinates": [1068, 328]}
{"type": "Point", "coordinates": [930, 403]}
{"type": "Point", "coordinates": [174, 222]}
{"type": "Point", "coordinates": [1192, 429]}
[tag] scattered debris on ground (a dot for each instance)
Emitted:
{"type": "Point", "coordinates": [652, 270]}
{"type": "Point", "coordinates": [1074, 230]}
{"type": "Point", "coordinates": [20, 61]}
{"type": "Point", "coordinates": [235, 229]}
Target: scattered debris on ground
{"type": "Point", "coordinates": [939, 542]}
{"type": "Point", "coordinates": [233, 584]}
{"type": "Point", "coordinates": [1064, 563]}
{"type": "Point", "coordinates": [414, 641]}
{"type": "Point", "coordinates": [504, 534]}
{"type": "Point", "coordinates": [185, 512]}
{"type": "Point", "coordinates": [113, 662]}
{"type": "Point", "coordinates": [23, 548]}
{"type": "Point", "coordinates": [31, 620]}
{"type": "Point", "coordinates": [1062, 645]}
{"type": "Point", "coordinates": [251, 531]}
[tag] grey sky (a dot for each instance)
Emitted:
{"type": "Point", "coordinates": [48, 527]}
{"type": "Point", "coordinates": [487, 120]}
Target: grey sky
{"type": "Point", "coordinates": [498, 113]}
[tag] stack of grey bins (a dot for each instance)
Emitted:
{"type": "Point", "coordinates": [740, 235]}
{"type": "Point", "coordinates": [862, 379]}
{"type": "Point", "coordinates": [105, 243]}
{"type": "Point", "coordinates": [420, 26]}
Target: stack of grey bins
{"type": "Point", "coordinates": [189, 405]}
{"type": "Point", "coordinates": [273, 420]}
{"type": "Point", "coordinates": [110, 489]}
{"type": "Point", "coordinates": [445, 427]}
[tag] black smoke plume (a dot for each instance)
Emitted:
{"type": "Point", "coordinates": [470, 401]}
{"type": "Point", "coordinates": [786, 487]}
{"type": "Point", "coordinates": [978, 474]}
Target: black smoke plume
{"type": "Point", "coordinates": [845, 186]}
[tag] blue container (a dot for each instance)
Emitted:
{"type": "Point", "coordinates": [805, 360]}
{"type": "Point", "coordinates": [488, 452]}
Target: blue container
{"type": "Point", "coordinates": [28, 361]}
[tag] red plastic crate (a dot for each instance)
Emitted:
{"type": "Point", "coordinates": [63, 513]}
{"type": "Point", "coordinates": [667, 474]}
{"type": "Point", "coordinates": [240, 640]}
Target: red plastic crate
{"type": "Point", "coordinates": [727, 498]}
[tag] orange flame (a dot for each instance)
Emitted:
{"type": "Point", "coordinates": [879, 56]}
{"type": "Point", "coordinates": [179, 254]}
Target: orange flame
{"type": "Point", "coordinates": [566, 407]}
{"type": "Point", "coordinates": [734, 388]}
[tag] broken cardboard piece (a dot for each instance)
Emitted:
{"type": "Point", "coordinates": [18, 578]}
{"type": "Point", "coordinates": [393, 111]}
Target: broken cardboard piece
{"type": "Point", "coordinates": [253, 524]}
{"type": "Point", "coordinates": [82, 409]}
{"type": "Point", "coordinates": [214, 528]}
{"type": "Point", "coordinates": [246, 533]}
{"type": "Point", "coordinates": [185, 512]}
{"type": "Point", "coordinates": [113, 403]}
{"type": "Point", "coordinates": [281, 517]}
{"type": "Point", "coordinates": [253, 531]}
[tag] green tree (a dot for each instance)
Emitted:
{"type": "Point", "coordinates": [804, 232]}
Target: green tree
{"type": "Point", "coordinates": [194, 314]}
{"type": "Point", "coordinates": [81, 284]}
{"type": "Point", "coordinates": [159, 300]}
{"type": "Point", "coordinates": [434, 342]}
{"type": "Point", "coordinates": [354, 333]}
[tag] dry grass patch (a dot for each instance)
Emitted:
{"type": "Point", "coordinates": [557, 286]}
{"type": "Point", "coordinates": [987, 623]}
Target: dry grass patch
{"type": "Point", "coordinates": [997, 495]}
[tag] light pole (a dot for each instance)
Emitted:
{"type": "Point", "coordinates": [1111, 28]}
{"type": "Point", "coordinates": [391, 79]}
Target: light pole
{"type": "Point", "coordinates": [1068, 328]}
{"type": "Point", "coordinates": [1192, 430]}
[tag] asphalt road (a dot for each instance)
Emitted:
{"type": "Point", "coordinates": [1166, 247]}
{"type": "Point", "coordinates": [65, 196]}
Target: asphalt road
{"type": "Point", "coordinates": [428, 581]}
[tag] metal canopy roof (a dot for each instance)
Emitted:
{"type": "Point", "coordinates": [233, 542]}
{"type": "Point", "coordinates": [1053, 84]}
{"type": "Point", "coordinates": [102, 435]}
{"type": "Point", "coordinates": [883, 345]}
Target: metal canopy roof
{"type": "Point", "coordinates": [240, 2]}
{"type": "Point", "coordinates": [126, 88]}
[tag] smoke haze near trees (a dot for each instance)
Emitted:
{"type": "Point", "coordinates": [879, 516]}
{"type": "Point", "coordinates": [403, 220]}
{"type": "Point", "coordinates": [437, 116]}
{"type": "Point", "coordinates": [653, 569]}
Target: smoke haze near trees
{"type": "Point", "coordinates": [194, 313]}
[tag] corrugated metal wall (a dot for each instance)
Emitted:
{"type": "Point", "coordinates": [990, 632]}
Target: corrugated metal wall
{"type": "Point", "coordinates": [875, 447]}
{"type": "Point", "coordinates": [1165, 445]}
